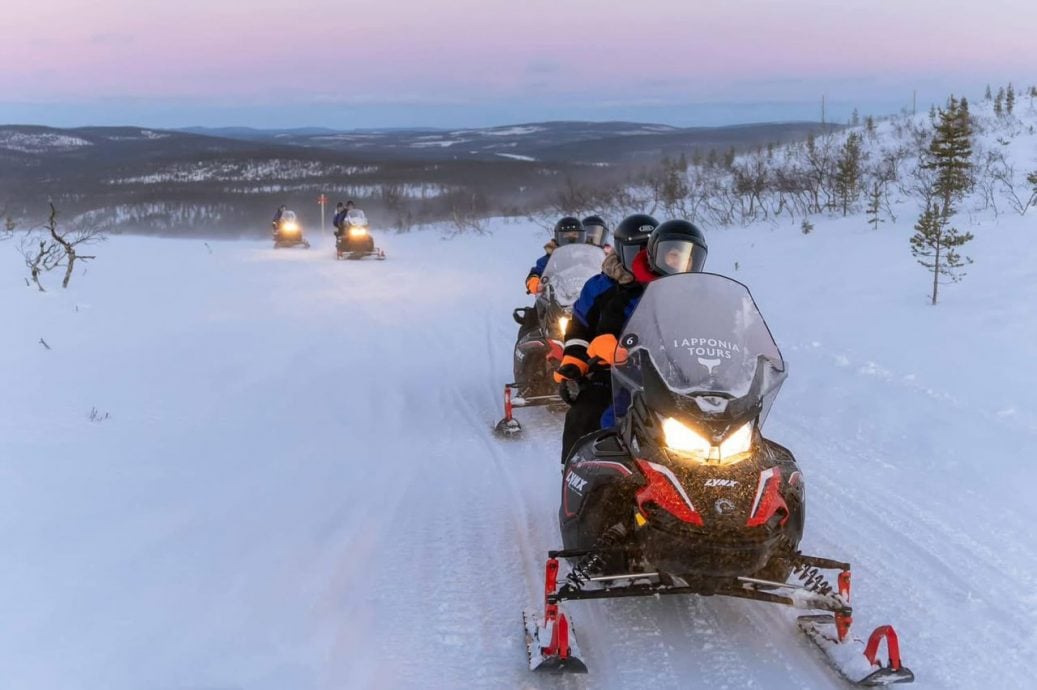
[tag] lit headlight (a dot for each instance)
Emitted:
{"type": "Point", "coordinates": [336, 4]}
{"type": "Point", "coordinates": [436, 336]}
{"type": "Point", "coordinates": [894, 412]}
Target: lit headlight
{"type": "Point", "coordinates": [687, 441]}
{"type": "Point", "coordinates": [290, 227]}
{"type": "Point", "coordinates": [357, 232]}
{"type": "Point", "coordinates": [563, 323]}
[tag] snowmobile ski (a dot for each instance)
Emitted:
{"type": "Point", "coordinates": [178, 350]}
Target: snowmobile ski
{"type": "Point", "coordinates": [551, 641]}
{"type": "Point", "coordinates": [851, 658]}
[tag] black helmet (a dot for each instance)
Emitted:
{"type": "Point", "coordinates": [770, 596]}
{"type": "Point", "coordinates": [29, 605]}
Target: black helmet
{"type": "Point", "coordinates": [677, 246]}
{"type": "Point", "coordinates": [569, 230]}
{"type": "Point", "coordinates": [597, 230]}
{"type": "Point", "coordinates": [632, 235]}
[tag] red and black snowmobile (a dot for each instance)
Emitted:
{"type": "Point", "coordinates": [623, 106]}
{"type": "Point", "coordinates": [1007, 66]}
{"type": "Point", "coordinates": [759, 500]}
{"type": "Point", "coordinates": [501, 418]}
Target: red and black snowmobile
{"type": "Point", "coordinates": [685, 495]}
{"type": "Point", "coordinates": [541, 337]}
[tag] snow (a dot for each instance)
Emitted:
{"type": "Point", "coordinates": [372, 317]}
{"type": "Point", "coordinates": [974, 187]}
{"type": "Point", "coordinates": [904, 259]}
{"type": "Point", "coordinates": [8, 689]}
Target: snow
{"type": "Point", "coordinates": [233, 171]}
{"type": "Point", "coordinates": [40, 142]}
{"type": "Point", "coordinates": [440, 143]}
{"type": "Point", "coordinates": [516, 157]}
{"type": "Point", "coordinates": [297, 485]}
{"type": "Point", "coordinates": [511, 131]}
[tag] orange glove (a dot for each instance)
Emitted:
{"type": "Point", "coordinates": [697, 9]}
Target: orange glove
{"type": "Point", "coordinates": [571, 369]}
{"type": "Point", "coordinates": [533, 285]}
{"type": "Point", "coordinates": [604, 348]}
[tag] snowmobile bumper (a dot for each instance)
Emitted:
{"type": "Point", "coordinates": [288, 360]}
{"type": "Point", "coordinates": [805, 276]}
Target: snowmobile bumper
{"type": "Point", "coordinates": [347, 247]}
{"type": "Point", "coordinates": [852, 659]}
{"type": "Point", "coordinates": [282, 243]}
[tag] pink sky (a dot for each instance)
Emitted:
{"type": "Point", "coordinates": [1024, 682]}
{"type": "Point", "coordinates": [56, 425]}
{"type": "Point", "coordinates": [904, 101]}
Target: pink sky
{"type": "Point", "coordinates": [487, 53]}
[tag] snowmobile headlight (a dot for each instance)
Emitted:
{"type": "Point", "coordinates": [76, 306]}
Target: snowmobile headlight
{"type": "Point", "coordinates": [563, 323]}
{"type": "Point", "coordinates": [688, 442]}
{"type": "Point", "coordinates": [357, 232]}
{"type": "Point", "coordinates": [291, 227]}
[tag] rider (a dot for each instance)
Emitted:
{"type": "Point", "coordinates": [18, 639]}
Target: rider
{"type": "Point", "coordinates": [277, 216]}
{"type": "Point", "coordinates": [568, 230]}
{"type": "Point", "coordinates": [595, 395]}
{"type": "Point", "coordinates": [337, 220]}
{"type": "Point", "coordinates": [676, 246]}
{"type": "Point", "coordinates": [597, 231]}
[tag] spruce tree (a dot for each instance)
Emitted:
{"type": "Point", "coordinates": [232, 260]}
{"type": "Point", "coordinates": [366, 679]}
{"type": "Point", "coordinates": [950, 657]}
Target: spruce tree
{"type": "Point", "coordinates": [875, 205]}
{"type": "Point", "coordinates": [848, 172]}
{"type": "Point", "coordinates": [935, 243]}
{"type": "Point", "coordinates": [999, 102]}
{"type": "Point", "coordinates": [1009, 99]}
{"type": "Point", "coordinates": [950, 153]}
{"type": "Point", "coordinates": [987, 96]}
{"type": "Point", "coordinates": [935, 246]}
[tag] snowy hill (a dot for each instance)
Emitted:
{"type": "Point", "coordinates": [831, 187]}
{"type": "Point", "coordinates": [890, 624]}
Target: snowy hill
{"type": "Point", "coordinates": [225, 466]}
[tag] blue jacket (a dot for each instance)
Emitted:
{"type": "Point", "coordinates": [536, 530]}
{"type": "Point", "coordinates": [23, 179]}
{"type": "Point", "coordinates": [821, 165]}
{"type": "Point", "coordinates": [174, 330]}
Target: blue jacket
{"type": "Point", "coordinates": [603, 306]}
{"type": "Point", "coordinates": [541, 264]}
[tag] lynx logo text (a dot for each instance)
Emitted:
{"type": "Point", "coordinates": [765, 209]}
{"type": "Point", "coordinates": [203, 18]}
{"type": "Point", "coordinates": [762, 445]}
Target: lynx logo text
{"type": "Point", "coordinates": [576, 482]}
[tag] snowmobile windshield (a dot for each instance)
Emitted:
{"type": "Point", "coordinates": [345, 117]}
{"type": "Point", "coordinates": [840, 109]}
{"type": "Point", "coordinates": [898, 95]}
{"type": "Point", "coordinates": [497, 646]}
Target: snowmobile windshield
{"type": "Point", "coordinates": [356, 217]}
{"type": "Point", "coordinates": [288, 217]}
{"type": "Point", "coordinates": [705, 339]}
{"type": "Point", "coordinates": [569, 268]}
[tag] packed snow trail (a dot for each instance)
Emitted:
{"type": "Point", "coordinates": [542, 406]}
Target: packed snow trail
{"type": "Point", "coordinates": [297, 485]}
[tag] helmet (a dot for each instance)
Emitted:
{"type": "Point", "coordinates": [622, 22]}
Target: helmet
{"type": "Point", "coordinates": [569, 230]}
{"type": "Point", "coordinates": [632, 235]}
{"type": "Point", "coordinates": [677, 246]}
{"type": "Point", "coordinates": [597, 230]}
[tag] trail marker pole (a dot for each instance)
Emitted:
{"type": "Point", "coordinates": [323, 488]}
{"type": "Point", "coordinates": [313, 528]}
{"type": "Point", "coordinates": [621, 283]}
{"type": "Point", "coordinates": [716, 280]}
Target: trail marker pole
{"type": "Point", "coordinates": [322, 200]}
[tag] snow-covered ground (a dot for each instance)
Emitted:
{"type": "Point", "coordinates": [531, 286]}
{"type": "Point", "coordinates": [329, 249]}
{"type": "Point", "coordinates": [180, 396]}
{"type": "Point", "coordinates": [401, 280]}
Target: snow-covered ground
{"type": "Point", "coordinates": [292, 481]}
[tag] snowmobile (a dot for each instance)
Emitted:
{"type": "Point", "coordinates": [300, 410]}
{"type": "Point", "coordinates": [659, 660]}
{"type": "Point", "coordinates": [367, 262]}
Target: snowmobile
{"type": "Point", "coordinates": [354, 240]}
{"type": "Point", "coordinates": [288, 232]}
{"type": "Point", "coordinates": [685, 495]}
{"type": "Point", "coordinates": [538, 350]}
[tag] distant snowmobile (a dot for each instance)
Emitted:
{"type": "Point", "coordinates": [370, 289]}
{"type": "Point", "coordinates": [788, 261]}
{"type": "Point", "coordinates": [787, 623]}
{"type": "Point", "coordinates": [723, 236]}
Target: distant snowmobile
{"type": "Point", "coordinates": [288, 232]}
{"type": "Point", "coordinates": [353, 240]}
{"type": "Point", "coordinates": [538, 351]}
{"type": "Point", "coordinates": [685, 495]}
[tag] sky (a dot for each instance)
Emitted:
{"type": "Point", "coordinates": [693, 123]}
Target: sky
{"type": "Point", "coordinates": [463, 63]}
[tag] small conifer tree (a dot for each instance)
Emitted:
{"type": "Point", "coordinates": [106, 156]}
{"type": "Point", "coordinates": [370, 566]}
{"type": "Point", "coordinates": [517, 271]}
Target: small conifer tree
{"type": "Point", "coordinates": [875, 205]}
{"type": "Point", "coordinates": [935, 245]}
{"type": "Point", "coordinates": [848, 172]}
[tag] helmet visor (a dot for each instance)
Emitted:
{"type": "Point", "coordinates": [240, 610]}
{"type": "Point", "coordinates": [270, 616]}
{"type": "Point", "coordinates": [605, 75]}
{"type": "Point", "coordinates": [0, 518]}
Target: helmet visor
{"type": "Point", "coordinates": [595, 234]}
{"type": "Point", "coordinates": [678, 256]}
{"type": "Point", "coordinates": [627, 252]}
{"type": "Point", "coordinates": [564, 237]}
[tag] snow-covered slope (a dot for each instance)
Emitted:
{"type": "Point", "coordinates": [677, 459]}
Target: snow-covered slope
{"type": "Point", "coordinates": [292, 480]}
